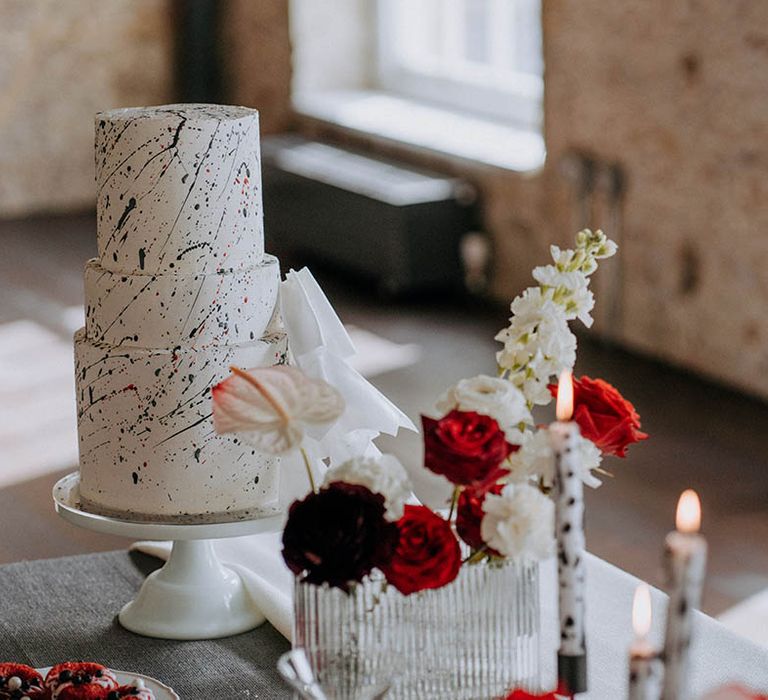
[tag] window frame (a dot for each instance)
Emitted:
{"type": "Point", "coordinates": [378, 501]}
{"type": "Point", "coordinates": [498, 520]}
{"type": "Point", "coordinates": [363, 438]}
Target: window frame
{"type": "Point", "coordinates": [519, 103]}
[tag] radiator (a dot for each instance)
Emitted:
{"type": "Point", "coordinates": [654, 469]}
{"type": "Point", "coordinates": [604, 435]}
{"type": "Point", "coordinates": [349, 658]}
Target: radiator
{"type": "Point", "coordinates": [397, 226]}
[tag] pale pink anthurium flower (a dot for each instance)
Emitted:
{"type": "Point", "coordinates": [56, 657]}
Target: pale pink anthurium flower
{"type": "Point", "coordinates": [271, 407]}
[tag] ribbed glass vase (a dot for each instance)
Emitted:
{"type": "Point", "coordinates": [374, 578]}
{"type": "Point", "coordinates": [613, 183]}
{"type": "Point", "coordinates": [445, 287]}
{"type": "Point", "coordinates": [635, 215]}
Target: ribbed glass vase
{"type": "Point", "coordinates": [475, 638]}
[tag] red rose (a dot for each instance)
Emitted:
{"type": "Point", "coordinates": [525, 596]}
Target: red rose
{"type": "Point", "coordinates": [464, 446]}
{"type": "Point", "coordinates": [525, 695]}
{"type": "Point", "coordinates": [604, 415]}
{"type": "Point", "coordinates": [427, 554]}
{"type": "Point", "coordinates": [469, 515]}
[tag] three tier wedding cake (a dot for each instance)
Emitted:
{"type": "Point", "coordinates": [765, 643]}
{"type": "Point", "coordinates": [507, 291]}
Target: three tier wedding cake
{"type": "Point", "coordinates": [181, 290]}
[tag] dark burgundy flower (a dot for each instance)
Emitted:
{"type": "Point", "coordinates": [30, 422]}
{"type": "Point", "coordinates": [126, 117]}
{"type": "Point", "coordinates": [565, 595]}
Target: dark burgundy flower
{"type": "Point", "coordinates": [427, 553]}
{"type": "Point", "coordinates": [338, 535]}
{"type": "Point", "coordinates": [604, 416]}
{"type": "Point", "coordinates": [464, 446]}
{"type": "Point", "coordinates": [469, 515]}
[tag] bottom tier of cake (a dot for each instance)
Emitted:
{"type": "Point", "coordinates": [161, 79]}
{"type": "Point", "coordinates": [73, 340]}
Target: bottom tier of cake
{"type": "Point", "coordinates": [148, 450]}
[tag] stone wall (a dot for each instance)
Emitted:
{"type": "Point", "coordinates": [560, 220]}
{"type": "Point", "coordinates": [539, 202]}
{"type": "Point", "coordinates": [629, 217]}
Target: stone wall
{"type": "Point", "coordinates": [60, 62]}
{"type": "Point", "coordinates": [256, 53]}
{"type": "Point", "coordinates": [677, 95]}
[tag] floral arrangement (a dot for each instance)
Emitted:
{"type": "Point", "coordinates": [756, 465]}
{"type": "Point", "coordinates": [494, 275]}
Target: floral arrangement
{"type": "Point", "coordinates": [485, 442]}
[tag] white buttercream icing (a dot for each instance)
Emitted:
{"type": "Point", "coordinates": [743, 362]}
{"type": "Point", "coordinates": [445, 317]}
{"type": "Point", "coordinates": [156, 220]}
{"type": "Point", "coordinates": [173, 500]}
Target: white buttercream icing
{"type": "Point", "coordinates": [147, 445]}
{"type": "Point", "coordinates": [151, 311]}
{"type": "Point", "coordinates": [179, 189]}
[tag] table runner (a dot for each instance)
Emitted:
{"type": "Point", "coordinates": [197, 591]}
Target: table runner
{"type": "Point", "coordinates": [59, 609]}
{"type": "Point", "coordinates": [64, 608]}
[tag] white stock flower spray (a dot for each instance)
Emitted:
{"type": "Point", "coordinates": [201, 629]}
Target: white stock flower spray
{"type": "Point", "coordinates": [538, 343]}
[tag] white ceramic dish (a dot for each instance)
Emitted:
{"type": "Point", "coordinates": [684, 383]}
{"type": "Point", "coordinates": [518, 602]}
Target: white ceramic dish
{"type": "Point", "coordinates": [161, 691]}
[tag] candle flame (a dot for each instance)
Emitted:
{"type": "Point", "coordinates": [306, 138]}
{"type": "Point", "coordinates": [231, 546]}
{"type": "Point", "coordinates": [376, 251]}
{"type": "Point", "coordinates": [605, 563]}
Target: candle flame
{"type": "Point", "coordinates": [688, 512]}
{"type": "Point", "coordinates": [564, 409]}
{"type": "Point", "coordinates": [641, 611]}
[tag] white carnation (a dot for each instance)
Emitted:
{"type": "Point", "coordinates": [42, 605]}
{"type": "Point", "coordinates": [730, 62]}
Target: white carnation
{"type": "Point", "coordinates": [535, 460]}
{"type": "Point", "coordinates": [519, 522]}
{"type": "Point", "coordinates": [492, 397]}
{"type": "Point", "coordinates": [384, 475]}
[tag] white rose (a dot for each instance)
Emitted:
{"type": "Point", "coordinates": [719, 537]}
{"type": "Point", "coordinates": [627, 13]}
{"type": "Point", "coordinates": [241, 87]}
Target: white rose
{"type": "Point", "coordinates": [492, 397]}
{"type": "Point", "coordinates": [519, 522]}
{"type": "Point", "coordinates": [384, 475]}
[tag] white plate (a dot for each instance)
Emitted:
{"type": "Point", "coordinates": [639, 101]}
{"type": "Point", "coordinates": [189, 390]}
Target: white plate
{"type": "Point", "coordinates": [161, 691]}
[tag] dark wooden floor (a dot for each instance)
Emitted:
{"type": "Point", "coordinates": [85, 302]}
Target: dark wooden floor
{"type": "Point", "coordinates": [703, 436]}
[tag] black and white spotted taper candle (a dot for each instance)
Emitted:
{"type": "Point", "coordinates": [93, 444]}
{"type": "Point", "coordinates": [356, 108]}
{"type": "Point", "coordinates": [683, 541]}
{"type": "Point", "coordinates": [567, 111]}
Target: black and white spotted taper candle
{"type": "Point", "coordinates": [645, 669]}
{"type": "Point", "coordinates": [569, 531]}
{"type": "Point", "coordinates": [685, 558]}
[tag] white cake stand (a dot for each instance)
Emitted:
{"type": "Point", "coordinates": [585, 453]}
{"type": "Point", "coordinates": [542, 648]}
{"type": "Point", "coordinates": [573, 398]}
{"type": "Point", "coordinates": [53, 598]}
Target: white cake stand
{"type": "Point", "coordinates": [194, 596]}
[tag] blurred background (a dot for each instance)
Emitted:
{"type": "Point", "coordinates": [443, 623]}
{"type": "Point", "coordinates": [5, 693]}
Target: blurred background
{"type": "Point", "coordinates": [421, 157]}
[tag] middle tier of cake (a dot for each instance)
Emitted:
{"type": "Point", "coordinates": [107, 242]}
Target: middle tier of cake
{"type": "Point", "coordinates": [151, 311]}
{"type": "Point", "coordinates": [148, 450]}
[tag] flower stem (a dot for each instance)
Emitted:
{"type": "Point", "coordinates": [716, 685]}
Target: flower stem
{"type": "Point", "coordinates": [309, 470]}
{"type": "Point", "coordinates": [475, 557]}
{"type": "Point", "coordinates": [454, 501]}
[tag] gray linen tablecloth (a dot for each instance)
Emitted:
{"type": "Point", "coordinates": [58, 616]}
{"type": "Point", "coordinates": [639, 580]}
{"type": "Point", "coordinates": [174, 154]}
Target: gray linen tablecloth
{"type": "Point", "coordinates": [65, 609]}
{"type": "Point", "coordinates": [59, 609]}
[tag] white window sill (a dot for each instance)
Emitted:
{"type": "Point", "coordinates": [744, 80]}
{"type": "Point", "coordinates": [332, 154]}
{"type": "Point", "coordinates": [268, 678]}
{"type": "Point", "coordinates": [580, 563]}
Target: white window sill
{"type": "Point", "coordinates": [425, 127]}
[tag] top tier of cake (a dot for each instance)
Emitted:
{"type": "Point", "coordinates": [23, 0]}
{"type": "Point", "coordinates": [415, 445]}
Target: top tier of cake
{"type": "Point", "coordinates": [179, 189]}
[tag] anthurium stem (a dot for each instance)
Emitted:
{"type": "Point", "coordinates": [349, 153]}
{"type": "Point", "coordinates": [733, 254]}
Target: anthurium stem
{"type": "Point", "coordinates": [454, 501]}
{"type": "Point", "coordinates": [309, 470]}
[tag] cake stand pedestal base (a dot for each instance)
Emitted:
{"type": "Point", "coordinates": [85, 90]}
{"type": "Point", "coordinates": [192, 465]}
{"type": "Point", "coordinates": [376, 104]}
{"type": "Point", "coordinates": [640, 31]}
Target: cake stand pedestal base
{"type": "Point", "coordinates": [194, 596]}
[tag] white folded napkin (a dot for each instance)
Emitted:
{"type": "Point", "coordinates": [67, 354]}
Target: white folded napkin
{"type": "Point", "coordinates": [309, 318]}
{"type": "Point", "coordinates": [321, 348]}
{"type": "Point", "coordinates": [258, 560]}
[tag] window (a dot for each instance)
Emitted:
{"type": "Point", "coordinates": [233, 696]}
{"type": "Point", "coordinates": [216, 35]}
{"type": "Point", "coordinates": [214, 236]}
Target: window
{"type": "Point", "coordinates": [462, 78]}
{"type": "Point", "coordinates": [480, 56]}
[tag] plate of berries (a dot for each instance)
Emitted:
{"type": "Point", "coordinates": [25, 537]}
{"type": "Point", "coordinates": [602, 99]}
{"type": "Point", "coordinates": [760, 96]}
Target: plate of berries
{"type": "Point", "coordinates": [78, 680]}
